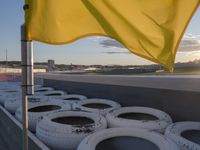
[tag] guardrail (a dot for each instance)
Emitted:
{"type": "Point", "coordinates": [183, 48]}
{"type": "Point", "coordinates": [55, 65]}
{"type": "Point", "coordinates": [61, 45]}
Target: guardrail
{"type": "Point", "coordinates": [11, 134]}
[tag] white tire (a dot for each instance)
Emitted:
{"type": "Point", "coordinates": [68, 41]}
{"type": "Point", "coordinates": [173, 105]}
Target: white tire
{"type": "Point", "coordinates": [9, 86]}
{"type": "Point", "coordinates": [72, 98]}
{"type": "Point", "coordinates": [35, 111]}
{"type": "Point", "coordinates": [12, 104]}
{"type": "Point", "coordinates": [159, 122]}
{"type": "Point", "coordinates": [37, 86]}
{"type": "Point", "coordinates": [8, 94]}
{"type": "Point", "coordinates": [175, 133]}
{"type": "Point", "coordinates": [156, 139]}
{"type": "Point", "coordinates": [67, 136]}
{"type": "Point", "coordinates": [3, 88]}
{"type": "Point", "coordinates": [40, 90]}
{"type": "Point", "coordinates": [52, 94]}
{"type": "Point", "coordinates": [102, 106]}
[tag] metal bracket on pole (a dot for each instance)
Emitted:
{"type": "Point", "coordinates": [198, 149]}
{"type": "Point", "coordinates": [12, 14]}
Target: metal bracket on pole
{"type": "Point", "coordinates": [27, 81]}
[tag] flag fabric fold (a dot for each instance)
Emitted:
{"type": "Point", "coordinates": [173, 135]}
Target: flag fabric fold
{"type": "Point", "coordinates": [151, 29]}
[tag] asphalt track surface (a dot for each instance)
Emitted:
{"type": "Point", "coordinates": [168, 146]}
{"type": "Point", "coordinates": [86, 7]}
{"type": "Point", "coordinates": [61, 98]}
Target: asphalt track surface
{"type": "Point", "coordinates": [174, 82]}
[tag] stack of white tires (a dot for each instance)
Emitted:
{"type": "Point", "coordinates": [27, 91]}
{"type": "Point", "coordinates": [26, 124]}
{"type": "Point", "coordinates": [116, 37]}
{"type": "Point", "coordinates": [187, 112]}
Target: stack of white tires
{"type": "Point", "coordinates": [64, 130]}
{"type": "Point", "coordinates": [71, 121]}
{"type": "Point", "coordinates": [185, 134]}
{"type": "Point", "coordinates": [139, 117]}
{"type": "Point", "coordinates": [72, 98]}
{"type": "Point", "coordinates": [142, 124]}
{"type": "Point", "coordinates": [12, 104]}
{"type": "Point", "coordinates": [100, 106]}
{"type": "Point", "coordinates": [154, 139]}
{"type": "Point", "coordinates": [39, 109]}
{"type": "Point", "coordinates": [41, 90]}
{"type": "Point", "coordinates": [6, 94]}
{"type": "Point", "coordinates": [13, 92]}
{"type": "Point", "coordinates": [54, 94]}
{"type": "Point", "coordinates": [9, 85]}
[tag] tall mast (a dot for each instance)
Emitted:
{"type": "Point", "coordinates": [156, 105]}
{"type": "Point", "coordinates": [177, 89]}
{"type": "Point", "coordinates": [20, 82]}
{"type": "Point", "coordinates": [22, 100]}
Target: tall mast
{"type": "Point", "coordinates": [6, 57]}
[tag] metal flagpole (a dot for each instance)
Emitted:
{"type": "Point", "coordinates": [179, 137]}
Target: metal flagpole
{"type": "Point", "coordinates": [27, 81]}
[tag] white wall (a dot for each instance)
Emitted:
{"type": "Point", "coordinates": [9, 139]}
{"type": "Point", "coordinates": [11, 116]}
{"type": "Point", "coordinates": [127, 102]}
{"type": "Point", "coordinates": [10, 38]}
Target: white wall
{"type": "Point", "coordinates": [18, 70]}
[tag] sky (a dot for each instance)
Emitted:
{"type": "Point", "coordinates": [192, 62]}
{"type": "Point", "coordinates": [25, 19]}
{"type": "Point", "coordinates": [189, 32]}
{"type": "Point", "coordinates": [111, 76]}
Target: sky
{"type": "Point", "coordinates": [90, 50]}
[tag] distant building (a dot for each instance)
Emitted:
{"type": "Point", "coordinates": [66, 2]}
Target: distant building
{"type": "Point", "coordinates": [51, 64]}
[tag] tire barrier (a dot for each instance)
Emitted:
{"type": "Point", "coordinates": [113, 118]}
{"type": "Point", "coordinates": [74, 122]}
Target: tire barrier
{"type": "Point", "coordinates": [12, 104]}
{"type": "Point", "coordinates": [185, 134]}
{"type": "Point", "coordinates": [102, 106]}
{"type": "Point", "coordinates": [9, 86]}
{"type": "Point", "coordinates": [139, 117]}
{"type": "Point", "coordinates": [14, 86]}
{"type": "Point", "coordinates": [41, 90]}
{"type": "Point", "coordinates": [137, 139]}
{"type": "Point", "coordinates": [36, 110]}
{"type": "Point", "coordinates": [72, 98]}
{"type": "Point", "coordinates": [52, 94]}
{"type": "Point", "coordinates": [64, 130]}
{"type": "Point", "coordinates": [8, 94]}
{"type": "Point", "coordinates": [37, 86]}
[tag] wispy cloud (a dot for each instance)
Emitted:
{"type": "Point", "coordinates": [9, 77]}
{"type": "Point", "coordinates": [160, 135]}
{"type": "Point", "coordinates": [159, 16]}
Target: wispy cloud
{"type": "Point", "coordinates": [110, 43]}
{"type": "Point", "coordinates": [112, 52]}
{"type": "Point", "coordinates": [189, 43]}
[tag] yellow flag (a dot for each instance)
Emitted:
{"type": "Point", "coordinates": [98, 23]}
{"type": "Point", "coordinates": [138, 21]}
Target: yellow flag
{"type": "Point", "coordinates": [151, 29]}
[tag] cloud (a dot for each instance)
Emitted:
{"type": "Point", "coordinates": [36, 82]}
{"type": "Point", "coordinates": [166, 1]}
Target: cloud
{"type": "Point", "coordinates": [189, 43]}
{"type": "Point", "coordinates": [96, 38]}
{"type": "Point", "coordinates": [112, 52]}
{"type": "Point", "coordinates": [110, 43]}
{"type": "Point", "coordinates": [113, 46]}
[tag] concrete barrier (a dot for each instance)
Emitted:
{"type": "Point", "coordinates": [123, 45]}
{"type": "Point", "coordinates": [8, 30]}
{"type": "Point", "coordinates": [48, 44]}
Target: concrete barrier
{"type": "Point", "coordinates": [11, 134]}
{"type": "Point", "coordinates": [182, 105]}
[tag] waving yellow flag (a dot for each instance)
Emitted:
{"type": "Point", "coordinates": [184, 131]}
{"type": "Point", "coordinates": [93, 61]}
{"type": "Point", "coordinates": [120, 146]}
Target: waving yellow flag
{"type": "Point", "coordinates": [151, 29]}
